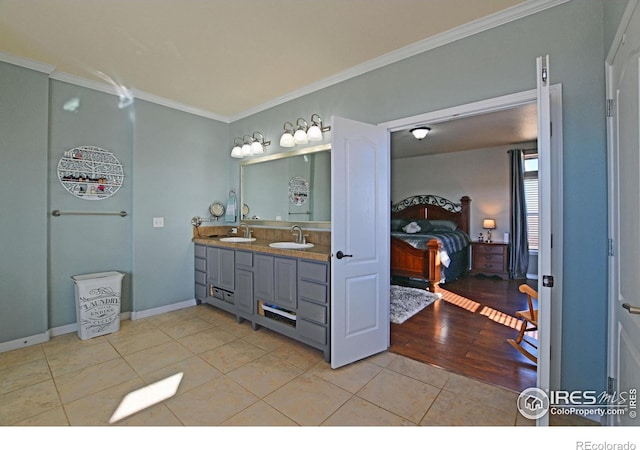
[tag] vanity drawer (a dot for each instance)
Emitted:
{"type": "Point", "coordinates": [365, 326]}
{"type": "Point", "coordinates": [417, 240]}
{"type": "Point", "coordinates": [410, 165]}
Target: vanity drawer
{"type": "Point", "coordinates": [312, 311]}
{"type": "Point", "coordinates": [200, 264]}
{"type": "Point", "coordinates": [200, 251]}
{"type": "Point", "coordinates": [201, 292]}
{"type": "Point", "coordinates": [312, 331]}
{"type": "Point", "coordinates": [244, 258]}
{"type": "Point", "coordinates": [312, 271]}
{"type": "Point", "coordinates": [201, 278]}
{"type": "Point", "coordinates": [312, 291]}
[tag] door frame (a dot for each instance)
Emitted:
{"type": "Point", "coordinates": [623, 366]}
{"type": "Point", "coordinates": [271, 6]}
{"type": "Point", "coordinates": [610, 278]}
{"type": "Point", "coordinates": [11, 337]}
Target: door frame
{"type": "Point", "coordinates": [556, 179]}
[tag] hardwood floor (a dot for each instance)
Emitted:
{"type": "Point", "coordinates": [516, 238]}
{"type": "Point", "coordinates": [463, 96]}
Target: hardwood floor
{"type": "Point", "coordinates": [466, 332]}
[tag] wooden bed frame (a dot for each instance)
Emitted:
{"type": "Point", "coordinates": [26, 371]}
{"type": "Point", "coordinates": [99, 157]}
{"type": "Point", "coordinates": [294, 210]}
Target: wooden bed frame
{"type": "Point", "coordinates": [407, 261]}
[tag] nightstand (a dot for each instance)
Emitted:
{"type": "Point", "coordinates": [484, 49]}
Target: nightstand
{"type": "Point", "coordinates": [490, 258]}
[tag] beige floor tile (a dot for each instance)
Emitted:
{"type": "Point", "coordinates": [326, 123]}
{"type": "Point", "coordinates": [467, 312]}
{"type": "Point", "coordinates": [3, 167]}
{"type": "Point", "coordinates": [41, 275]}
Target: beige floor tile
{"type": "Point", "coordinates": [195, 372]}
{"type": "Point", "coordinates": [21, 356]}
{"type": "Point", "coordinates": [351, 377]}
{"type": "Point", "coordinates": [215, 316]}
{"type": "Point", "coordinates": [212, 403]}
{"type": "Point", "coordinates": [451, 409]}
{"type": "Point", "coordinates": [98, 408]}
{"type": "Point", "coordinates": [79, 356]}
{"type": "Point", "coordinates": [265, 374]}
{"type": "Point", "coordinates": [300, 355]}
{"type": "Point", "coordinates": [400, 394]}
{"type": "Point", "coordinates": [230, 356]}
{"type": "Point", "coordinates": [21, 404]}
{"type": "Point", "coordinates": [54, 417]}
{"type": "Point", "coordinates": [129, 343]}
{"type": "Point", "coordinates": [359, 412]}
{"type": "Point", "coordinates": [239, 330]}
{"type": "Point", "coordinates": [67, 342]}
{"type": "Point", "coordinates": [206, 340]}
{"type": "Point", "coordinates": [156, 415]}
{"type": "Point", "coordinates": [484, 393]}
{"type": "Point", "coordinates": [19, 376]}
{"type": "Point", "coordinates": [154, 358]}
{"type": "Point", "coordinates": [423, 372]}
{"type": "Point", "coordinates": [185, 327]}
{"type": "Point", "coordinates": [128, 327]}
{"type": "Point", "coordinates": [308, 400]}
{"type": "Point", "coordinates": [382, 359]}
{"type": "Point", "coordinates": [74, 385]}
{"type": "Point", "coordinates": [259, 414]}
{"type": "Point", "coordinates": [267, 340]}
{"type": "Point", "coordinates": [168, 318]}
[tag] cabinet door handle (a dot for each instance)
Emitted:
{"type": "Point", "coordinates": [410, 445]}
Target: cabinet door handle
{"type": "Point", "coordinates": [632, 309]}
{"type": "Point", "coordinates": [341, 255]}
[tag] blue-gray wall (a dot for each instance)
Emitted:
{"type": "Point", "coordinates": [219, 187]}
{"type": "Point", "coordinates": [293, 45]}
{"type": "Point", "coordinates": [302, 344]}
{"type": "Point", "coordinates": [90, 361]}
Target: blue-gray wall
{"type": "Point", "coordinates": [23, 202]}
{"type": "Point", "coordinates": [180, 163]}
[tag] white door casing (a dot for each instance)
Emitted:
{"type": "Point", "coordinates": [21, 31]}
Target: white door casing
{"type": "Point", "coordinates": [623, 79]}
{"type": "Point", "coordinates": [360, 209]}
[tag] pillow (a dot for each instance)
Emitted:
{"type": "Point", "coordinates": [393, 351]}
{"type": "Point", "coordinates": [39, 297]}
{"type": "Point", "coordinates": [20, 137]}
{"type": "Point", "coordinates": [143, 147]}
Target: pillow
{"type": "Point", "coordinates": [425, 225]}
{"type": "Point", "coordinates": [445, 225]}
{"type": "Point", "coordinates": [397, 224]}
{"type": "Point", "coordinates": [411, 228]}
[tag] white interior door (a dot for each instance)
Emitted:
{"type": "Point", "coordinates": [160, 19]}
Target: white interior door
{"type": "Point", "coordinates": [624, 213]}
{"type": "Point", "coordinates": [360, 208]}
{"type": "Point", "coordinates": [545, 282]}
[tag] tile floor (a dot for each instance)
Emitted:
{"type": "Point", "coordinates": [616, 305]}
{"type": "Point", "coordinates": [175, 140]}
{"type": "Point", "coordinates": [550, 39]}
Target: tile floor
{"type": "Point", "coordinates": [232, 375]}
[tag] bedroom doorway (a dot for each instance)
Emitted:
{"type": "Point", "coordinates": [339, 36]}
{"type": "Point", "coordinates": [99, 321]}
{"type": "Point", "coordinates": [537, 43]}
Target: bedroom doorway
{"type": "Point", "coordinates": [478, 110]}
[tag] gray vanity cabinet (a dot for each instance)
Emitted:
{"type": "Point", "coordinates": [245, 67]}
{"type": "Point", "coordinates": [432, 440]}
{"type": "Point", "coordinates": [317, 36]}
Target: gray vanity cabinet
{"type": "Point", "coordinates": [244, 283]}
{"type": "Point", "coordinates": [313, 304]}
{"type": "Point", "coordinates": [200, 265]}
{"type": "Point", "coordinates": [221, 267]}
{"type": "Point", "coordinates": [275, 280]}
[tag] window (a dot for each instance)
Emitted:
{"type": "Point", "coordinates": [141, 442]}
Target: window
{"type": "Point", "coordinates": [531, 197]}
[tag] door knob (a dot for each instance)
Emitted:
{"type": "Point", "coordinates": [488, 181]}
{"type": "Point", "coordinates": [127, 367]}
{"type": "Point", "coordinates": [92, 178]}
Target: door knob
{"type": "Point", "coordinates": [341, 255]}
{"type": "Point", "coordinates": [632, 309]}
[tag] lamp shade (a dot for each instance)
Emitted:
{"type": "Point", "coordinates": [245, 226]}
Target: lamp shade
{"type": "Point", "coordinates": [236, 152]}
{"type": "Point", "coordinates": [287, 140]}
{"type": "Point", "coordinates": [300, 137]}
{"type": "Point", "coordinates": [256, 148]}
{"type": "Point", "coordinates": [489, 224]}
{"type": "Point", "coordinates": [314, 133]}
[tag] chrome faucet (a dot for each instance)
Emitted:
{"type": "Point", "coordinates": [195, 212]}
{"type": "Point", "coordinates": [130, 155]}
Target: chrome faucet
{"type": "Point", "coordinates": [299, 237]}
{"type": "Point", "coordinates": [247, 231]}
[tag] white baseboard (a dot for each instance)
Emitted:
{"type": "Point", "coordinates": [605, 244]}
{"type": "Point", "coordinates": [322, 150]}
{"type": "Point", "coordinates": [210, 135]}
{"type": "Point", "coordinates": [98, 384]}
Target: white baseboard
{"type": "Point", "coordinates": [73, 327]}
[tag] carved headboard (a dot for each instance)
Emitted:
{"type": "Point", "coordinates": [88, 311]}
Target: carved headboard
{"type": "Point", "coordinates": [433, 207]}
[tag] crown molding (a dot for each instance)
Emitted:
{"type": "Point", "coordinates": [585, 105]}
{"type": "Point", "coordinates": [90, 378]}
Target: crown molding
{"type": "Point", "coordinates": [121, 91]}
{"type": "Point", "coordinates": [469, 29]}
{"type": "Point", "coordinates": [27, 63]}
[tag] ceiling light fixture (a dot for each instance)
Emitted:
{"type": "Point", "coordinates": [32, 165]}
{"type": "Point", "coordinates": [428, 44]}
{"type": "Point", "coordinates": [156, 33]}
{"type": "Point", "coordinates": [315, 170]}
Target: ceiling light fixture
{"type": "Point", "coordinates": [420, 132]}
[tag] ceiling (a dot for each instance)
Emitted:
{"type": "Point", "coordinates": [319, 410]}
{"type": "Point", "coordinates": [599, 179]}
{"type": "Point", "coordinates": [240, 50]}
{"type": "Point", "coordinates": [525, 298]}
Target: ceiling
{"type": "Point", "coordinates": [231, 58]}
{"type": "Point", "coordinates": [511, 126]}
{"type": "Point", "coordinates": [227, 57]}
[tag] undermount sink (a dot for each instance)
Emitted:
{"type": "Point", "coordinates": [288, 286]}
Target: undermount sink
{"type": "Point", "coordinates": [293, 245]}
{"type": "Point", "coordinates": [237, 239]}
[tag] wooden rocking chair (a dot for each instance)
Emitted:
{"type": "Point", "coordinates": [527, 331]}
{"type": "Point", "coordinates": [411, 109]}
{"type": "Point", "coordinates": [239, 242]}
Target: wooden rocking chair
{"type": "Point", "coordinates": [529, 319]}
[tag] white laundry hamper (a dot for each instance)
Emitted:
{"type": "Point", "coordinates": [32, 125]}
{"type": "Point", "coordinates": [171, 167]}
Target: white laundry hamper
{"type": "Point", "coordinates": [98, 299]}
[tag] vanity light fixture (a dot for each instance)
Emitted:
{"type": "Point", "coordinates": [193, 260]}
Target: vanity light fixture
{"type": "Point", "coordinates": [258, 144]}
{"type": "Point", "coordinates": [300, 136]}
{"type": "Point", "coordinates": [314, 133]}
{"type": "Point", "coordinates": [236, 152]}
{"type": "Point", "coordinates": [287, 137]}
{"type": "Point", "coordinates": [246, 148]}
{"type": "Point", "coordinates": [420, 132]}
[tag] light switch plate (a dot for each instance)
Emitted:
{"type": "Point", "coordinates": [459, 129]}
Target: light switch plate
{"type": "Point", "coordinates": [158, 222]}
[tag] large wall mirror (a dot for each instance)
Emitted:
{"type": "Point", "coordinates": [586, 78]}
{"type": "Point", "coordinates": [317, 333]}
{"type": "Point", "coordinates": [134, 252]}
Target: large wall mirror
{"type": "Point", "coordinates": [288, 188]}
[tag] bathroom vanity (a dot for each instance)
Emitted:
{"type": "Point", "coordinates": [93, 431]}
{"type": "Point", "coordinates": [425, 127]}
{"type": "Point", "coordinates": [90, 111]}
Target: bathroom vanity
{"type": "Point", "coordinates": [284, 290]}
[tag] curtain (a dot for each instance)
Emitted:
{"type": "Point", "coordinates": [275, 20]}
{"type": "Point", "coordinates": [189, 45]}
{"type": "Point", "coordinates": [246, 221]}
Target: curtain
{"type": "Point", "coordinates": [519, 249]}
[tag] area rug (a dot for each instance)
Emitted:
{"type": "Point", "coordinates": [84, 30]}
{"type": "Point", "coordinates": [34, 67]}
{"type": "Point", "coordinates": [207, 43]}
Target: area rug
{"type": "Point", "coordinates": [406, 302]}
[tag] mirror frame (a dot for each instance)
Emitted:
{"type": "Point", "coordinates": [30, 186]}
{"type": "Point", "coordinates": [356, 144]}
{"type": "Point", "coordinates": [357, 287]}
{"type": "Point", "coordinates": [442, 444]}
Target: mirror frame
{"type": "Point", "coordinates": [282, 155]}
